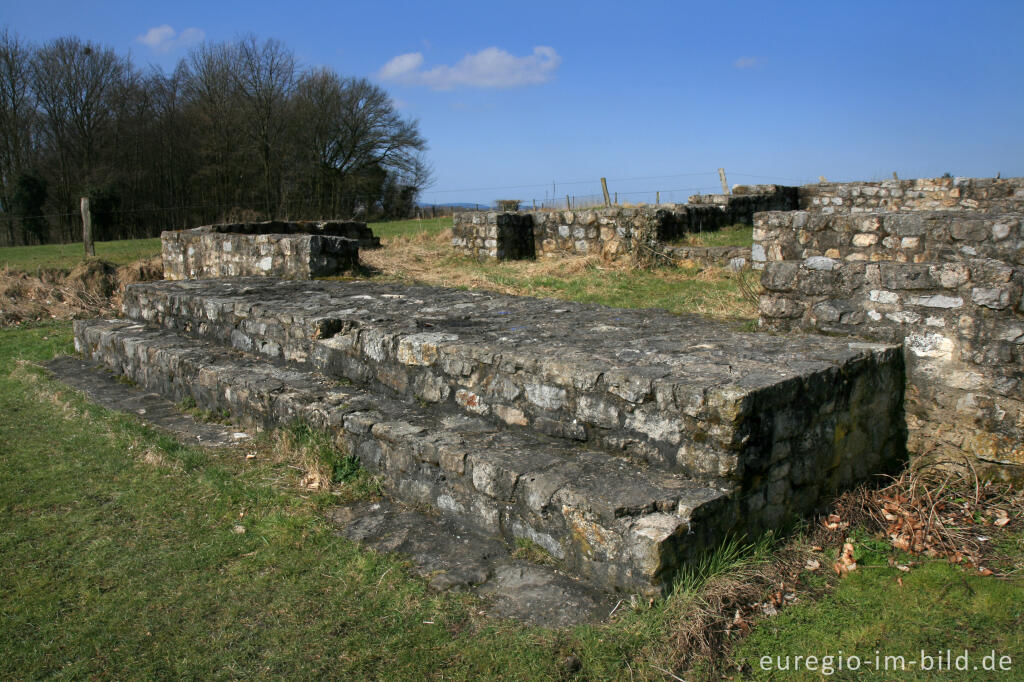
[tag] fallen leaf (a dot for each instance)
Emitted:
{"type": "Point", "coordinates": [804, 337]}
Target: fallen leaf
{"type": "Point", "coordinates": [846, 561]}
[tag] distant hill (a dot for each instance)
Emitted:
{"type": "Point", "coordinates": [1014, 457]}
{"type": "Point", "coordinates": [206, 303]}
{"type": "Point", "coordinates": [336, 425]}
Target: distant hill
{"type": "Point", "coordinates": [456, 204]}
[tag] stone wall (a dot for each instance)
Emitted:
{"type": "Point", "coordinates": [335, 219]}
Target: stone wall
{"type": "Point", "coordinates": [924, 194]}
{"type": "Point", "coordinates": [609, 232]}
{"type": "Point", "coordinates": [948, 284]}
{"type": "Point", "coordinates": [204, 254]}
{"type": "Point", "coordinates": [614, 231]}
{"type": "Point", "coordinates": [326, 228]}
{"type": "Point", "coordinates": [746, 200]}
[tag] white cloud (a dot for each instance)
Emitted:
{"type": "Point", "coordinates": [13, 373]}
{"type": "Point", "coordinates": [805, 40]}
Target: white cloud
{"type": "Point", "coordinates": [401, 66]}
{"type": "Point", "coordinates": [746, 62]}
{"type": "Point", "coordinates": [489, 68]}
{"type": "Point", "coordinates": [163, 38]}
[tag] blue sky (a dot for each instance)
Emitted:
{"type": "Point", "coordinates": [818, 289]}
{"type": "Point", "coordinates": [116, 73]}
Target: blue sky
{"type": "Point", "coordinates": [652, 95]}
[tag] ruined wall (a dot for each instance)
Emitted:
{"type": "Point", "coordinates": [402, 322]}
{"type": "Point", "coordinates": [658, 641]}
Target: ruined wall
{"type": "Point", "coordinates": [328, 228]}
{"type": "Point", "coordinates": [948, 284]}
{"type": "Point", "coordinates": [746, 200]}
{"type": "Point", "coordinates": [296, 250]}
{"type": "Point", "coordinates": [643, 231]}
{"type": "Point", "coordinates": [924, 194]}
{"type": "Point", "coordinates": [609, 232]}
{"type": "Point", "coordinates": [204, 254]}
{"type": "Point", "coordinates": [606, 231]}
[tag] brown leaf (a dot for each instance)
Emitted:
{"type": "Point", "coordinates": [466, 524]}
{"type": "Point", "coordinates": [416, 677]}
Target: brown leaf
{"type": "Point", "coordinates": [846, 561]}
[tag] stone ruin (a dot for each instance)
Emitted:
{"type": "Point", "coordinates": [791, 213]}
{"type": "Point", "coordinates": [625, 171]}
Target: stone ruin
{"type": "Point", "coordinates": [646, 232]}
{"type": "Point", "coordinates": [294, 250]}
{"type": "Point", "coordinates": [936, 265]}
{"type": "Point", "coordinates": [622, 442]}
{"type": "Point", "coordinates": [933, 264]}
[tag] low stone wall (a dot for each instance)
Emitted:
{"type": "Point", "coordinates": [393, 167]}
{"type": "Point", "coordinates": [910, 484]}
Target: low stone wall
{"type": "Point", "coordinates": [947, 284]}
{"type": "Point", "coordinates": [609, 232]}
{"type": "Point", "coordinates": [615, 231]}
{"type": "Point", "coordinates": [205, 254]}
{"type": "Point", "coordinates": [923, 194]}
{"type": "Point", "coordinates": [732, 257]}
{"type": "Point", "coordinates": [504, 236]}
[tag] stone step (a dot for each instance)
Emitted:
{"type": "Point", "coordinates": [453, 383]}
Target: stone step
{"type": "Point", "coordinates": [455, 558]}
{"type": "Point", "coordinates": [619, 525]}
{"type": "Point", "coordinates": [680, 392]}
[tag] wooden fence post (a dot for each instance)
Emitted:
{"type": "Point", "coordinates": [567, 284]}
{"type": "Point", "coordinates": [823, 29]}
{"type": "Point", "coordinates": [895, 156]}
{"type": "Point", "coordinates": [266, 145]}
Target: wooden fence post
{"type": "Point", "coordinates": [725, 184]}
{"type": "Point", "coordinates": [604, 189]}
{"type": "Point", "coordinates": [90, 249]}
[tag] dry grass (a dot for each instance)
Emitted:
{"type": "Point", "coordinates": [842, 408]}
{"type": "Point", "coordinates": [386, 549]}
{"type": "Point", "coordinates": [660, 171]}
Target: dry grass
{"type": "Point", "coordinates": [932, 512]}
{"type": "Point", "coordinates": [724, 597]}
{"type": "Point", "coordinates": [92, 289]}
{"type": "Point", "coordinates": [428, 259]}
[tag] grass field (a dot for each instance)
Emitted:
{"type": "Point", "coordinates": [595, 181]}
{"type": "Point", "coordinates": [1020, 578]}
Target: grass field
{"type": "Point", "coordinates": [122, 556]}
{"type": "Point", "coordinates": [736, 235]}
{"type": "Point", "coordinates": [30, 259]}
{"type": "Point", "coordinates": [396, 228]}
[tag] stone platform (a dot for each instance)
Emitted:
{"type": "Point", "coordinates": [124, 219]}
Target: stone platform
{"type": "Point", "coordinates": [296, 250]}
{"type": "Point", "coordinates": [621, 441]}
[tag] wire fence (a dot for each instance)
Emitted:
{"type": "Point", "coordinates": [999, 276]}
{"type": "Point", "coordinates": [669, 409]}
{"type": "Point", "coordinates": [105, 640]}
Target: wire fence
{"type": "Point", "coordinates": [556, 195]}
{"type": "Point", "coordinates": [625, 191]}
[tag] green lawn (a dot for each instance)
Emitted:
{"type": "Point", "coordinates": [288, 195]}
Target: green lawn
{"type": "Point", "coordinates": [396, 228]}
{"type": "Point", "coordinates": [937, 608]}
{"type": "Point", "coordinates": [734, 235]}
{"type": "Point", "coordinates": [66, 256]}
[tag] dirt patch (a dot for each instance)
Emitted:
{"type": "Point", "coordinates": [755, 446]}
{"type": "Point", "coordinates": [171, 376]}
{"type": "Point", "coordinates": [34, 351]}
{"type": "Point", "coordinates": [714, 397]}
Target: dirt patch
{"type": "Point", "coordinates": [93, 288]}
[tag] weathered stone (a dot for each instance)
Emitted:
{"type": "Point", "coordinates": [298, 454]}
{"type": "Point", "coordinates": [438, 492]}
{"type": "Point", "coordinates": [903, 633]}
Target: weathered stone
{"type": "Point", "coordinates": [279, 249]}
{"type": "Point", "coordinates": [947, 283]}
{"type": "Point", "coordinates": [693, 401]}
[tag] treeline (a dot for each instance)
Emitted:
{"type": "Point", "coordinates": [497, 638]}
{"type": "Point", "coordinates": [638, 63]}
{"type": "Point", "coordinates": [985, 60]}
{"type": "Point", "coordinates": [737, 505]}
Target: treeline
{"type": "Point", "coordinates": [237, 131]}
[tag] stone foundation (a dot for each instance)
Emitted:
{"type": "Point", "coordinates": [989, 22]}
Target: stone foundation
{"type": "Point", "coordinates": [278, 249]}
{"type": "Point", "coordinates": [622, 441]}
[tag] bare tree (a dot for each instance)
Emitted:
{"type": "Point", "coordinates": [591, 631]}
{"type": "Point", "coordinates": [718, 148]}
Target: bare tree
{"type": "Point", "coordinates": [211, 75]}
{"type": "Point", "coordinates": [77, 85]}
{"type": "Point", "coordinates": [355, 136]}
{"type": "Point", "coordinates": [266, 79]}
{"type": "Point", "coordinates": [17, 120]}
{"type": "Point", "coordinates": [235, 129]}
